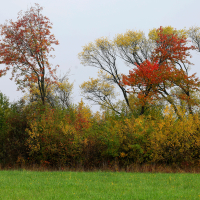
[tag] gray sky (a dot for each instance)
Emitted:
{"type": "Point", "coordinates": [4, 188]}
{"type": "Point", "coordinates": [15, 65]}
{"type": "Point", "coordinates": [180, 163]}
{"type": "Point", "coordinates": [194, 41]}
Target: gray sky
{"type": "Point", "coordinates": [78, 22]}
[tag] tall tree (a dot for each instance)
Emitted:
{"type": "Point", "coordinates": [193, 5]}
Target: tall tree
{"type": "Point", "coordinates": [132, 47]}
{"type": "Point", "coordinates": [173, 50]}
{"type": "Point", "coordinates": [167, 69]}
{"type": "Point", "coordinates": [160, 64]}
{"type": "Point", "coordinates": [25, 49]}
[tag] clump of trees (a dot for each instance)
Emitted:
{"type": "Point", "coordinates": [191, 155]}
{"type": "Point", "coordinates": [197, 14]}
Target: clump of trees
{"type": "Point", "coordinates": [160, 69]}
{"type": "Point", "coordinates": [157, 119]}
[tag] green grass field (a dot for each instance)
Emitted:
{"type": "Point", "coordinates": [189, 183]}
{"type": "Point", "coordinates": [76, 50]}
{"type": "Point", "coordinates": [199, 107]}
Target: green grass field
{"type": "Point", "coordinates": [98, 185]}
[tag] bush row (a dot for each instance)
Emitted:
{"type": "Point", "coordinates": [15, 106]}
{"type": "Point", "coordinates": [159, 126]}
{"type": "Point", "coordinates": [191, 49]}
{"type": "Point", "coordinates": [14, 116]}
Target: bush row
{"type": "Point", "coordinates": [34, 134]}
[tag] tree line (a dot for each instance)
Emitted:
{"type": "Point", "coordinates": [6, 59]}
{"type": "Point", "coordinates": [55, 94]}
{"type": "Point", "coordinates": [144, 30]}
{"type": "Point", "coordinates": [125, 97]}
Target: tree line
{"type": "Point", "coordinates": [158, 97]}
{"type": "Point", "coordinates": [159, 64]}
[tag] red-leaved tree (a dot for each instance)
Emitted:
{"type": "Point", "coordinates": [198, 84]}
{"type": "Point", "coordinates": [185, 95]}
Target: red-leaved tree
{"type": "Point", "coordinates": [167, 69]}
{"type": "Point", "coordinates": [173, 50]}
{"type": "Point", "coordinates": [25, 49]}
{"type": "Point", "coordinates": [144, 80]}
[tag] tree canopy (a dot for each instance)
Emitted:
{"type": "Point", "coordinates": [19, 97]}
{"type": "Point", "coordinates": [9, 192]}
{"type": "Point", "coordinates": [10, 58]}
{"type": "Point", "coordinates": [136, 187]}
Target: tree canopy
{"type": "Point", "coordinates": [160, 65]}
{"type": "Point", "coordinates": [25, 50]}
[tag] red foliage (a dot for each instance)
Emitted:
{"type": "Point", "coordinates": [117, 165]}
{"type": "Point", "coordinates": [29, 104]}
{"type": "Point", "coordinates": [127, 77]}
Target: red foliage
{"type": "Point", "coordinates": [145, 78]}
{"type": "Point", "coordinates": [171, 47]}
{"type": "Point", "coordinates": [82, 121]}
{"type": "Point", "coordinates": [146, 74]}
{"type": "Point", "coordinates": [161, 73]}
{"type": "Point", "coordinates": [26, 46]}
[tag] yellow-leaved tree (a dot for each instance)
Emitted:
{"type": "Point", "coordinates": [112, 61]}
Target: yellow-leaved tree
{"type": "Point", "coordinates": [57, 94]}
{"type": "Point", "coordinates": [165, 49]}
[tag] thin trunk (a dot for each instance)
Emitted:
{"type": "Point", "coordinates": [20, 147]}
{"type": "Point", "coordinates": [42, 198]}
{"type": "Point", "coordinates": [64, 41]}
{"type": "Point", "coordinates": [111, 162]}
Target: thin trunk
{"type": "Point", "coordinates": [174, 106]}
{"type": "Point", "coordinates": [142, 110]}
{"type": "Point", "coordinates": [189, 104]}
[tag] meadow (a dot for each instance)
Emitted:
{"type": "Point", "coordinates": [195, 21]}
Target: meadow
{"type": "Point", "coordinates": [98, 185]}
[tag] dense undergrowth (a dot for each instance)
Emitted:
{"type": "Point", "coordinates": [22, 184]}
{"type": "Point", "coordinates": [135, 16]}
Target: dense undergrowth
{"type": "Point", "coordinates": [34, 134]}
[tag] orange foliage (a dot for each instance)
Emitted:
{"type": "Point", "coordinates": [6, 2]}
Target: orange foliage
{"type": "Point", "coordinates": [82, 117]}
{"type": "Point", "coordinates": [25, 47]}
{"type": "Point", "coordinates": [152, 79]}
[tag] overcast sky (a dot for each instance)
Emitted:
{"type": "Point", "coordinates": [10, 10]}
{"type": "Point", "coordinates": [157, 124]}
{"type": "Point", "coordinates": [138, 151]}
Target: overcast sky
{"type": "Point", "coordinates": [78, 22]}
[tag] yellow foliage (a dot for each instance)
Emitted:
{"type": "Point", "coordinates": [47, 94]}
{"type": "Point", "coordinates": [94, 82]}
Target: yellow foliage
{"type": "Point", "coordinates": [103, 42]}
{"type": "Point", "coordinates": [65, 86]}
{"type": "Point", "coordinates": [141, 139]}
{"type": "Point", "coordinates": [157, 140]}
{"type": "Point", "coordinates": [130, 39]}
{"type": "Point", "coordinates": [84, 109]}
{"type": "Point", "coordinates": [94, 48]}
{"type": "Point", "coordinates": [33, 140]}
{"type": "Point", "coordinates": [89, 85]}
{"type": "Point", "coordinates": [97, 85]}
{"type": "Point", "coordinates": [104, 76]}
{"type": "Point", "coordinates": [97, 116]}
{"type": "Point", "coordinates": [153, 33]}
{"type": "Point", "coordinates": [51, 90]}
{"type": "Point", "coordinates": [195, 31]}
{"type": "Point", "coordinates": [175, 139]}
{"type": "Point", "coordinates": [83, 117]}
{"type": "Point", "coordinates": [45, 127]}
{"type": "Point", "coordinates": [88, 47]}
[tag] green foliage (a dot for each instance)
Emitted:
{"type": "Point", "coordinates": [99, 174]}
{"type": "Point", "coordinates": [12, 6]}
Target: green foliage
{"type": "Point", "coordinates": [140, 129]}
{"type": "Point", "coordinates": [13, 148]}
{"type": "Point", "coordinates": [4, 111]}
{"type": "Point", "coordinates": [50, 137]}
{"type": "Point", "coordinates": [40, 134]}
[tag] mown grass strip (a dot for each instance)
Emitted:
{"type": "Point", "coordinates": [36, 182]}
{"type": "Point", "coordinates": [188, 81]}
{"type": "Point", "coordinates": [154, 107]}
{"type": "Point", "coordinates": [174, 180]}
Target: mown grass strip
{"type": "Point", "coordinates": [98, 185]}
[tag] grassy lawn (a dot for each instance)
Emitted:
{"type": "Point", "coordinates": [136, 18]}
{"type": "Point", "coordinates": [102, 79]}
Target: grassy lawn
{"type": "Point", "coordinates": [98, 185]}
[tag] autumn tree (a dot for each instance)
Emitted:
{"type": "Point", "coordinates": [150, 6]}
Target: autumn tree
{"type": "Point", "coordinates": [57, 94]}
{"type": "Point", "coordinates": [102, 55]}
{"type": "Point", "coordinates": [173, 51]}
{"type": "Point", "coordinates": [131, 47]}
{"type": "Point", "coordinates": [143, 80]}
{"type": "Point", "coordinates": [100, 91]}
{"type": "Point", "coordinates": [160, 66]}
{"type": "Point", "coordinates": [167, 69]}
{"type": "Point", "coordinates": [25, 49]}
